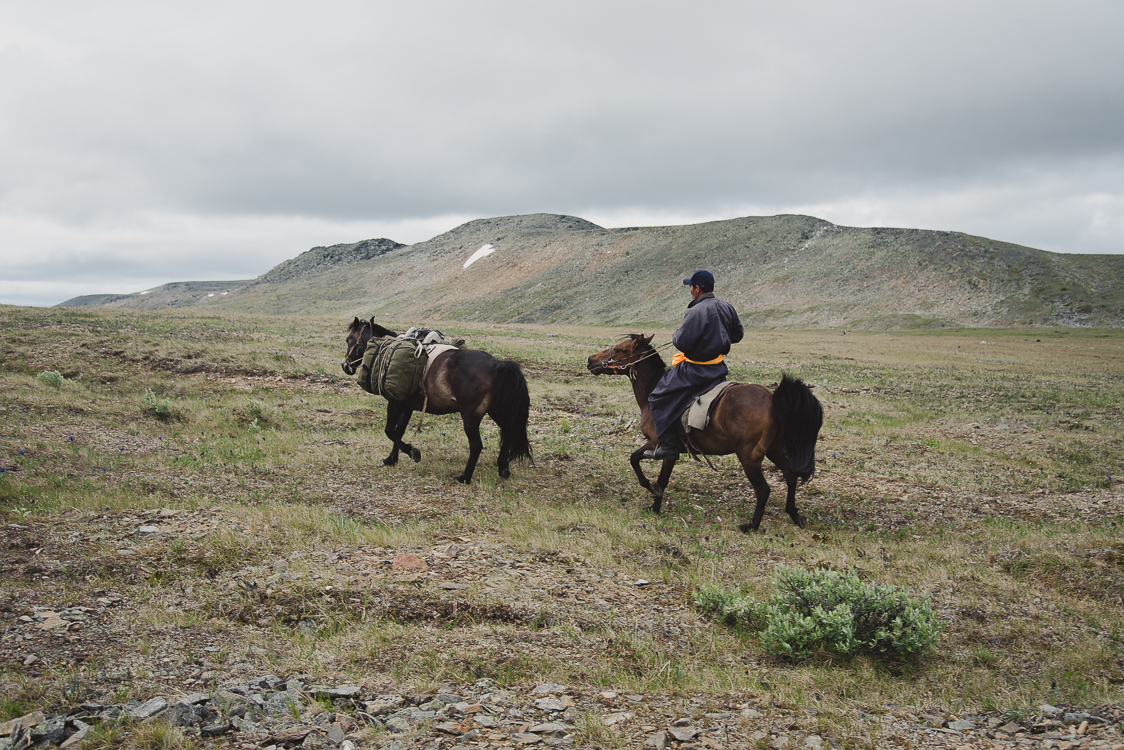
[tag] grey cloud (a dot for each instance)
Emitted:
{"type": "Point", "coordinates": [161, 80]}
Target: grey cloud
{"type": "Point", "coordinates": [381, 112]}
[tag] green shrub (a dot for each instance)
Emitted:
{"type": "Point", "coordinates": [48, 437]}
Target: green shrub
{"type": "Point", "coordinates": [160, 408]}
{"type": "Point", "coordinates": [814, 611]}
{"type": "Point", "coordinates": [52, 378]}
{"type": "Point", "coordinates": [733, 609]}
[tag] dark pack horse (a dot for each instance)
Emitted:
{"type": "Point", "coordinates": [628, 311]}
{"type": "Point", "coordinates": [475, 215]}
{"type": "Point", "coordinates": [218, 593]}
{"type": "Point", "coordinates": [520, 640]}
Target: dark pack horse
{"type": "Point", "coordinates": [465, 381]}
{"type": "Point", "coordinates": [749, 421]}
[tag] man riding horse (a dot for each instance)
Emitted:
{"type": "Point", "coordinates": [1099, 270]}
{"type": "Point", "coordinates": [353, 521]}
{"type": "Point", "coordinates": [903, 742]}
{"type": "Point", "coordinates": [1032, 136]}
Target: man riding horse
{"type": "Point", "coordinates": [709, 327]}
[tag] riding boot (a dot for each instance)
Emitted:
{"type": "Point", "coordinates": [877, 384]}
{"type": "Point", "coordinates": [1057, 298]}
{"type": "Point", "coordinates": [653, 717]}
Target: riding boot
{"type": "Point", "coordinates": [668, 447]}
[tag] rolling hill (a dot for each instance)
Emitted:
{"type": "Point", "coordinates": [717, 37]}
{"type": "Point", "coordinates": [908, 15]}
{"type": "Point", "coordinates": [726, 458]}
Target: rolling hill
{"type": "Point", "coordinates": [779, 271]}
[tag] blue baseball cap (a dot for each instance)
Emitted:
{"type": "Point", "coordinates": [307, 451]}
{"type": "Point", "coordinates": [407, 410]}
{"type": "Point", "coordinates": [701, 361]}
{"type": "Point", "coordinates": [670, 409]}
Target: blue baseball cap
{"type": "Point", "coordinates": [705, 279]}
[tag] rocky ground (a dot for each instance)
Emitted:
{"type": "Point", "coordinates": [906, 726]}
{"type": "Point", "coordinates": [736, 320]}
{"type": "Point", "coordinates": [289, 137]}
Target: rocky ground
{"type": "Point", "coordinates": [271, 712]}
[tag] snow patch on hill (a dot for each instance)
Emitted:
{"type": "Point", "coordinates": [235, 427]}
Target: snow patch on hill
{"type": "Point", "coordinates": [481, 253]}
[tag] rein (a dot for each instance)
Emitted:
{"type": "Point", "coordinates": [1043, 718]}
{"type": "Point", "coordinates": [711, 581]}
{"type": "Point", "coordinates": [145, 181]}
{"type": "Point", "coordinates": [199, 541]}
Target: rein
{"type": "Point", "coordinates": [629, 367]}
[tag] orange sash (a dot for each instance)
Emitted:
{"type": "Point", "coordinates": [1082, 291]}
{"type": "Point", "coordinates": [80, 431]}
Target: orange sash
{"type": "Point", "coordinates": [680, 357]}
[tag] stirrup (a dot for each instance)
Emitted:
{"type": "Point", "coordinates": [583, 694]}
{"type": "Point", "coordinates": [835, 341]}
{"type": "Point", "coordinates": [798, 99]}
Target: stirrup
{"type": "Point", "coordinates": [661, 452]}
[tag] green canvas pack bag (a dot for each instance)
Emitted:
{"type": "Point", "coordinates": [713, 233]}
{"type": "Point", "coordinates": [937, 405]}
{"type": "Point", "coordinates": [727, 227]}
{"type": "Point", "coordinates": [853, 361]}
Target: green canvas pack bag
{"type": "Point", "coordinates": [392, 368]}
{"type": "Point", "coordinates": [363, 374]}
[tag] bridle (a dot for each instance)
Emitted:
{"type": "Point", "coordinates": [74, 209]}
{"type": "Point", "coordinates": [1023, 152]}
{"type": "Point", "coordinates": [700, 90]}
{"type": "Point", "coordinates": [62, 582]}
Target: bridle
{"type": "Point", "coordinates": [357, 349]}
{"type": "Point", "coordinates": [627, 365]}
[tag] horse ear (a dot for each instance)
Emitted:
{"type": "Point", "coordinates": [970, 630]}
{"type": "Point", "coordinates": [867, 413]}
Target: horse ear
{"type": "Point", "coordinates": [647, 339]}
{"type": "Point", "coordinates": [355, 322]}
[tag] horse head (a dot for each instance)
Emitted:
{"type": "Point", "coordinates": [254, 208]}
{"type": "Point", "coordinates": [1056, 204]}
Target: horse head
{"type": "Point", "coordinates": [620, 357]}
{"type": "Point", "coordinates": [358, 334]}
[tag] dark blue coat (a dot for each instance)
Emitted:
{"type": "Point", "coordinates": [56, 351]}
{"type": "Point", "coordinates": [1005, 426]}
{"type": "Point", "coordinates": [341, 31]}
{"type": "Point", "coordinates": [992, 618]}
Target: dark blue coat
{"type": "Point", "coordinates": [709, 328]}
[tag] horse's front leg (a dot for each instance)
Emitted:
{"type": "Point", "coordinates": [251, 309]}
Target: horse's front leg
{"type": "Point", "coordinates": [397, 419]}
{"type": "Point", "coordinates": [635, 459]}
{"type": "Point", "coordinates": [760, 488]}
{"type": "Point", "coordinates": [797, 517]}
{"type": "Point", "coordinates": [475, 445]}
{"type": "Point", "coordinates": [661, 483]}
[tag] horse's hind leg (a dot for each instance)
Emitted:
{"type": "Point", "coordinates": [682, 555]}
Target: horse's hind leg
{"type": "Point", "coordinates": [503, 462]}
{"type": "Point", "coordinates": [790, 502]}
{"type": "Point", "coordinates": [475, 445]}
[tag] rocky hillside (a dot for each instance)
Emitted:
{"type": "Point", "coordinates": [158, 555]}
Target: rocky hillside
{"type": "Point", "coordinates": [780, 271]}
{"type": "Point", "coordinates": [320, 259]}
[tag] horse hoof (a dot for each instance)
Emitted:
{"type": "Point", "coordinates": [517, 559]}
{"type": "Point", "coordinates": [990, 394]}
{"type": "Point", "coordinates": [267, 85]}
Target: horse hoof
{"type": "Point", "coordinates": [745, 528]}
{"type": "Point", "coordinates": [505, 473]}
{"type": "Point", "coordinates": [802, 521]}
{"type": "Point", "coordinates": [416, 455]}
{"type": "Point", "coordinates": [389, 461]}
{"type": "Point", "coordinates": [463, 479]}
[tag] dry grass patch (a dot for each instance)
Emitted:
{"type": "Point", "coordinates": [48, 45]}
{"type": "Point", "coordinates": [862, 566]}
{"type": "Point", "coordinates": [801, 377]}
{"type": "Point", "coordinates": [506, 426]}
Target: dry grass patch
{"type": "Point", "coordinates": [986, 475]}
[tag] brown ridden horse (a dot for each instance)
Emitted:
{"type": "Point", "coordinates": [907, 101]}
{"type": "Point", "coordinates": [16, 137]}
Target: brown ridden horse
{"type": "Point", "coordinates": [466, 381]}
{"type": "Point", "coordinates": [747, 420]}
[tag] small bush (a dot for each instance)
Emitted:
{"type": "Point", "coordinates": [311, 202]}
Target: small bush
{"type": "Point", "coordinates": [816, 611]}
{"type": "Point", "coordinates": [733, 609]}
{"type": "Point", "coordinates": [160, 408]}
{"type": "Point", "coordinates": [52, 378]}
{"type": "Point", "coordinates": [256, 416]}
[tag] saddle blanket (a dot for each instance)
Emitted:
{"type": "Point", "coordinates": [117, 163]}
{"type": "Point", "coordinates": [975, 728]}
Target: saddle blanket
{"type": "Point", "coordinates": [697, 415]}
{"type": "Point", "coordinates": [432, 351]}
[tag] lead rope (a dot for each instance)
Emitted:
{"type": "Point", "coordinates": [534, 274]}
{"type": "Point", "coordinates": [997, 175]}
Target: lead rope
{"type": "Point", "coordinates": [425, 404]}
{"type": "Point", "coordinates": [425, 394]}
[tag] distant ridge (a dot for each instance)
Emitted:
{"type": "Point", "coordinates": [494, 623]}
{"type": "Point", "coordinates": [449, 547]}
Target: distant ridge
{"type": "Point", "coordinates": [783, 271]}
{"type": "Point", "coordinates": [320, 259]}
{"type": "Point", "coordinates": [177, 294]}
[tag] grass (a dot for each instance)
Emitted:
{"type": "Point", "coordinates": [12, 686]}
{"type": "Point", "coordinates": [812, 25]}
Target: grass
{"type": "Point", "coordinates": [986, 475]}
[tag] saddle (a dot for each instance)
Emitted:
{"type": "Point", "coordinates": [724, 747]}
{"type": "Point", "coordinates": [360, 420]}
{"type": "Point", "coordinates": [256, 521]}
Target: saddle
{"type": "Point", "coordinates": [430, 337]}
{"type": "Point", "coordinates": [697, 416]}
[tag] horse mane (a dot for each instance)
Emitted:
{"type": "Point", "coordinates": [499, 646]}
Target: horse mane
{"type": "Point", "coordinates": [377, 331]}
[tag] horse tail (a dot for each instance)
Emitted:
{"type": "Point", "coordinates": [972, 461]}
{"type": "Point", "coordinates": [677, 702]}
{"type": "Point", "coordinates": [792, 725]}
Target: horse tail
{"type": "Point", "coordinates": [511, 407]}
{"type": "Point", "coordinates": [800, 417]}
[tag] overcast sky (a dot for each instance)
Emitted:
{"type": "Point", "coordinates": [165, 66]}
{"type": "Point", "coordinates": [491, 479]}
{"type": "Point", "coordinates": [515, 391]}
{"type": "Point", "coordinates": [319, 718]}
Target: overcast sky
{"type": "Point", "coordinates": [142, 142]}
